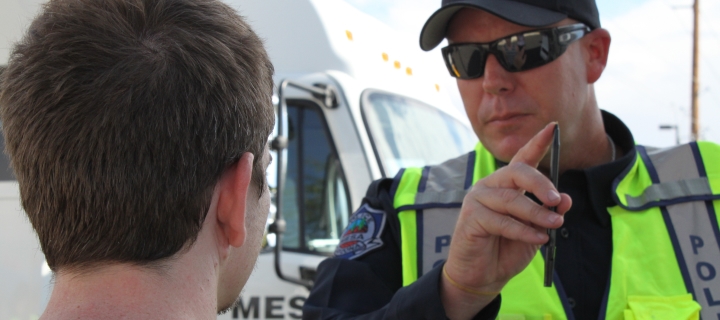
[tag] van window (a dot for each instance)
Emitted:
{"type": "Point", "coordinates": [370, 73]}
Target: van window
{"type": "Point", "coordinates": [315, 191]}
{"type": "Point", "coordinates": [6, 173]}
{"type": "Point", "coordinates": [409, 133]}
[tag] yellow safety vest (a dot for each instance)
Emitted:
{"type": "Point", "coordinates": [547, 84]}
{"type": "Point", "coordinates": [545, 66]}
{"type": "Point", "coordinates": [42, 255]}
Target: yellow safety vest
{"type": "Point", "coordinates": [666, 237]}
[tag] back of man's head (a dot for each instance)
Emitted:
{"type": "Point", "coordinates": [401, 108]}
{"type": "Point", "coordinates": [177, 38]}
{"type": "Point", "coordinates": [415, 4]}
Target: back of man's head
{"type": "Point", "coordinates": [121, 115]}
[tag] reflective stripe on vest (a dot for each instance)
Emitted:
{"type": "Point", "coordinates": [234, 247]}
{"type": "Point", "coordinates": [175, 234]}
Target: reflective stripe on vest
{"type": "Point", "coordinates": [666, 213]}
{"type": "Point", "coordinates": [431, 196]}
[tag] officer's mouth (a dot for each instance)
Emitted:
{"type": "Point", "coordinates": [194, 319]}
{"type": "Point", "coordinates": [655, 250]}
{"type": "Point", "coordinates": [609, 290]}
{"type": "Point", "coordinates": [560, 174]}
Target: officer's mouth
{"type": "Point", "coordinates": [507, 119]}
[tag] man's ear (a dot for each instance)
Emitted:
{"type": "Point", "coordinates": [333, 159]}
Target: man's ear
{"type": "Point", "coordinates": [597, 44]}
{"type": "Point", "coordinates": [233, 191]}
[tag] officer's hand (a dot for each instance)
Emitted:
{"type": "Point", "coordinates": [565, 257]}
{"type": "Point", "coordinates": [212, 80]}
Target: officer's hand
{"type": "Point", "coordinates": [500, 230]}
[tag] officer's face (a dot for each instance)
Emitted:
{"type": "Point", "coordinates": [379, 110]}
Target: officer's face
{"type": "Point", "coordinates": [507, 109]}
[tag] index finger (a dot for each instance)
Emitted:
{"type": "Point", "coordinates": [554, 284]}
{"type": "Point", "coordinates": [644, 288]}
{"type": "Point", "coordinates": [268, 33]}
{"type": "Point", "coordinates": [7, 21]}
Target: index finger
{"type": "Point", "coordinates": [535, 149]}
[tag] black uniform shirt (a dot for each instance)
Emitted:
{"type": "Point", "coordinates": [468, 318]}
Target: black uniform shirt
{"type": "Point", "coordinates": [370, 286]}
{"type": "Point", "coordinates": [584, 242]}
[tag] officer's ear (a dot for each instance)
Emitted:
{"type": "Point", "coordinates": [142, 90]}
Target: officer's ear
{"type": "Point", "coordinates": [597, 47]}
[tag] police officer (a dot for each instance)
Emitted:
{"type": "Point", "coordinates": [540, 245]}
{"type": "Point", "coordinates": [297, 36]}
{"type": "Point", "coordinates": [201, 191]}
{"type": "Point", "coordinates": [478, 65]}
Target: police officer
{"type": "Point", "coordinates": [638, 227]}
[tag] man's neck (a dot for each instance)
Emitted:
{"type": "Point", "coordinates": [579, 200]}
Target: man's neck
{"type": "Point", "coordinates": [586, 146]}
{"type": "Point", "coordinates": [132, 292]}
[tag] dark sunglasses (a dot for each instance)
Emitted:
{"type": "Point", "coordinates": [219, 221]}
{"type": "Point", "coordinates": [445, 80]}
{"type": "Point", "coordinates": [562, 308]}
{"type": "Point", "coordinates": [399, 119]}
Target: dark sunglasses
{"type": "Point", "coordinates": [517, 52]}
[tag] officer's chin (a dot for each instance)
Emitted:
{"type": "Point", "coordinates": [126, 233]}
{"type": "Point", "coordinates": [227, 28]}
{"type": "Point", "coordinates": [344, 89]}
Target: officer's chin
{"type": "Point", "coordinates": [503, 149]}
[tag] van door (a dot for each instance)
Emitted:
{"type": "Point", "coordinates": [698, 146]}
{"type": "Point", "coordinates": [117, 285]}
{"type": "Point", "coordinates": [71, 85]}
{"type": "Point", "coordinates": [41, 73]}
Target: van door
{"type": "Point", "coordinates": [325, 174]}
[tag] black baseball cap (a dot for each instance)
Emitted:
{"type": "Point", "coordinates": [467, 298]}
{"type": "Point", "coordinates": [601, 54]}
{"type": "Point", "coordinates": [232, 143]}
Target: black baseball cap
{"type": "Point", "coordinates": [529, 13]}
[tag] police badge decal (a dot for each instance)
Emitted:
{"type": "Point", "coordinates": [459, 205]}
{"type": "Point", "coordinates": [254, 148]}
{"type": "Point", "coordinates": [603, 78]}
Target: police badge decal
{"type": "Point", "coordinates": [362, 234]}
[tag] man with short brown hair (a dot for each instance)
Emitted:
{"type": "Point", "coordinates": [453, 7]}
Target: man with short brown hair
{"type": "Point", "coordinates": [137, 130]}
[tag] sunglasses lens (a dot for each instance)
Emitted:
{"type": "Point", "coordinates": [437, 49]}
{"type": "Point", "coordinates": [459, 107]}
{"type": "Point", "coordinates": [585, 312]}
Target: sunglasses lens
{"type": "Point", "coordinates": [526, 51]}
{"type": "Point", "coordinates": [512, 52]}
{"type": "Point", "coordinates": [465, 61]}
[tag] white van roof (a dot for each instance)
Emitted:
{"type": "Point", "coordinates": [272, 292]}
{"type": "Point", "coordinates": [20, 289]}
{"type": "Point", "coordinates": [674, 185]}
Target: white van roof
{"type": "Point", "coordinates": [307, 36]}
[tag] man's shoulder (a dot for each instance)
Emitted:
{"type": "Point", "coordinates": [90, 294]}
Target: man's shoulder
{"type": "Point", "coordinates": [701, 148]}
{"type": "Point", "coordinates": [459, 166]}
{"type": "Point", "coordinates": [379, 193]}
{"type": "Point", "coordinates": [386, 187]}
{"type": "Point", "coordinates": [709, 146]}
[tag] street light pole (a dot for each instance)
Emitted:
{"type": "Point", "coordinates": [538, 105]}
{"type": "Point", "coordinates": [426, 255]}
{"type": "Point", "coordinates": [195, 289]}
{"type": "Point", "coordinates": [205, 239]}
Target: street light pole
{"type": "Point", "coordinates": [672, 127]}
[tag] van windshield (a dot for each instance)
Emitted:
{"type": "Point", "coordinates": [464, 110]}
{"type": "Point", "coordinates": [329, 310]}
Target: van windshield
{"type": "Point", "coordinates": [409, 133]}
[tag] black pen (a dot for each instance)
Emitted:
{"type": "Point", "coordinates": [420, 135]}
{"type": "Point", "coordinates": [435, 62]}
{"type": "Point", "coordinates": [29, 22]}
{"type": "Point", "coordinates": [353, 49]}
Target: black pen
{"type": "Point", "coordinates": [550, 245]}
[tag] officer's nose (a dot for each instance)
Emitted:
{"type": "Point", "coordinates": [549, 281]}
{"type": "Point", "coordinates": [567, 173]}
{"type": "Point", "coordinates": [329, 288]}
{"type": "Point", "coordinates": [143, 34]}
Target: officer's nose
{"type": "Point", "coordinates": [496, 79]}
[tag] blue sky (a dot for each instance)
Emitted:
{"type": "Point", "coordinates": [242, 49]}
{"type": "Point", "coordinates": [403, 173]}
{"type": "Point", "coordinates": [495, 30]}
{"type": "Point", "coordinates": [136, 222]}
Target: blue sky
{"type": "Point", "coordinates": [647, 80]}
{"type": "Point", "coordinates": [610, 9]}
